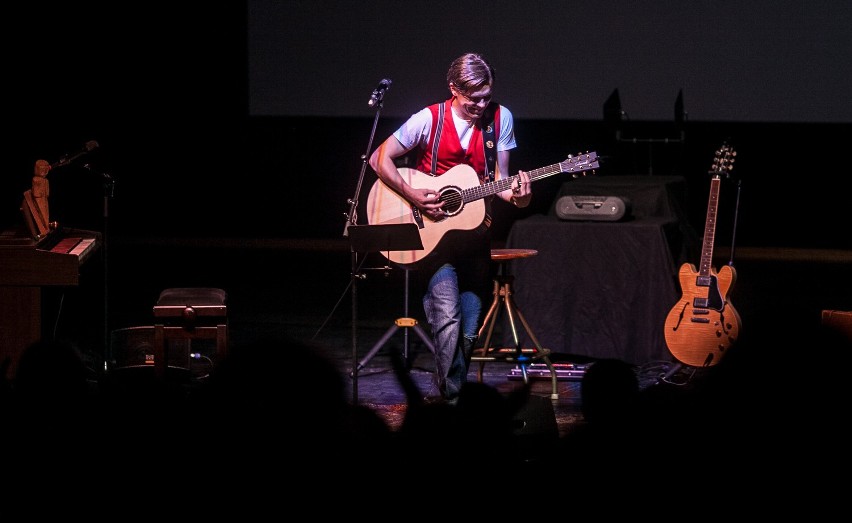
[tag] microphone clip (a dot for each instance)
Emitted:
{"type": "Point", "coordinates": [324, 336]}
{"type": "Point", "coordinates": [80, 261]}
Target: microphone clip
{"type": "Point", "coordinates": [379, 92]}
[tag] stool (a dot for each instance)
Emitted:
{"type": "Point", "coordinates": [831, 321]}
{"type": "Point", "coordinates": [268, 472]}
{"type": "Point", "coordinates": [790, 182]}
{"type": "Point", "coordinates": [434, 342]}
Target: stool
{"type": "Point", "coordinates": [189, 313]}
{"type": "Point", "coordinates": [503, 300]}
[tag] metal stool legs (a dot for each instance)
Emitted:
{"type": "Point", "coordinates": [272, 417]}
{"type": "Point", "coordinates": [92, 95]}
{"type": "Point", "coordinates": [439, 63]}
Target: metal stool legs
{"type": "Point", "coordinates": [503, 301]}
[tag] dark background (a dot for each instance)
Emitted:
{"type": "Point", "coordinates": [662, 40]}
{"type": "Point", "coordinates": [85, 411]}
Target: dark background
{"type": "Point", "coordinates": [761, 61]}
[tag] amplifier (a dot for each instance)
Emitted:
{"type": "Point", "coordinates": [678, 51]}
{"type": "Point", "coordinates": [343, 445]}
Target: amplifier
{"type": "Point", "coordinates": [596, 208]}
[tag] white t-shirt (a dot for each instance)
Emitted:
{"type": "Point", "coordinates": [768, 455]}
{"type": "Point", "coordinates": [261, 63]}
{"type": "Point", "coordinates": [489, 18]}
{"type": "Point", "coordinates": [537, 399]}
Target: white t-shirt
{"type": "Point", "coordinates": [415, 131]}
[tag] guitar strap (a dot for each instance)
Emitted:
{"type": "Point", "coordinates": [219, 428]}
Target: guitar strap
{"type": "Point", "coordinates": [489, 142]}
{"type": "Point", "coordinates": [489, 148]}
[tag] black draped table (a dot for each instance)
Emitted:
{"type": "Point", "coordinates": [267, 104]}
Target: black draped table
{"type": "Point", "coordinates": [598, 289]}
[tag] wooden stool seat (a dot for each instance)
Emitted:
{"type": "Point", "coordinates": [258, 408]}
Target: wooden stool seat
{"type": "Point", "coordinates": [503, 300]}
{"type": "Point", "coordinates": [189, 313]}
{"type": "Point", "coordinates": [504, 255]}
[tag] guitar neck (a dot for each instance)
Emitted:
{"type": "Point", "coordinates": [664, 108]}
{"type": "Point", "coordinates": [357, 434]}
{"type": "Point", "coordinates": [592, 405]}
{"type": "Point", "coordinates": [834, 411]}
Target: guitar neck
{"type": "Point", "coordinates": [576, 165]}
{"type": "Point", "coordinates": [722, 164]}
{"type": "Point", "coordinates": [710, 229]}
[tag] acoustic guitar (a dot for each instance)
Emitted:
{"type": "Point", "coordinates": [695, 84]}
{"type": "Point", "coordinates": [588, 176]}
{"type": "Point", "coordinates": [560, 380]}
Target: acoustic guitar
{"type": "Point", "coordinates": [703, 324]}
{"type": "Point", "coordinates": [462, 194]}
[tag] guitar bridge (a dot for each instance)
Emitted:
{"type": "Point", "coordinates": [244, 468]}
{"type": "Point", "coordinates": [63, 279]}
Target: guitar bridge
{"type": "Point", "coordinates": [418, 218]}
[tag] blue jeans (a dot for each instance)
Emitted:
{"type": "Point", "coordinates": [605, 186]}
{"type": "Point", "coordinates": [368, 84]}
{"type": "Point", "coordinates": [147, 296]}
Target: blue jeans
{"type": "Point", "coordinates": [454, 319]}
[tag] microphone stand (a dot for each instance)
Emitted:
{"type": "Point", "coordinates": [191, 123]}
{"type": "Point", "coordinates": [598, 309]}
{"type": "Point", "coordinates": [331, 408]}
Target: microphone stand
{"type": "Point", "coordinates": [109, 192]}
{"type": "Point", "coordinates": [352, 219]}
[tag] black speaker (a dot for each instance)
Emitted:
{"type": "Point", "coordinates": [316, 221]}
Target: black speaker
{"type": "Point", "coordinates": [134, 346]}
{"type": "Point", "coordinates": [596, 208]}
{"type": "Point", "coordinates": [535, 424]}
{"type": "Point", "coordinates": [132, 353]}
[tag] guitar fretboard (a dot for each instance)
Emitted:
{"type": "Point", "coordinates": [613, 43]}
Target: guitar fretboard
{"type": "Point", "coordinates": [710, 229]}
{"type": "Point", "coordinates": [578, 164]}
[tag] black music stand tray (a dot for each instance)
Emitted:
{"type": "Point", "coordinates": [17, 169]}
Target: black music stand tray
{"type": "Point", "coordinates": [383, 238]}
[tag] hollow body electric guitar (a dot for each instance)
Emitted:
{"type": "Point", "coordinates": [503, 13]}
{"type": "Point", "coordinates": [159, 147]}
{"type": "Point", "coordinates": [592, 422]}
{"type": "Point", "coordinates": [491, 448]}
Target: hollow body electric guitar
{"type": "Point", "coordinates": [462, 194]}
{"type": "Point", "coordinates": [704, 324]}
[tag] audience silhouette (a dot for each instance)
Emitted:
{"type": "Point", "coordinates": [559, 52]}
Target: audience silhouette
{"type": "Point", "coordinates": [281, 405]}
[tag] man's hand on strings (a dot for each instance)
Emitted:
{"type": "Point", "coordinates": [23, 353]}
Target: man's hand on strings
{"type": "Point", "coordinates": [429, 202]}
{"type": "Point", "coordinates": [521, 190]}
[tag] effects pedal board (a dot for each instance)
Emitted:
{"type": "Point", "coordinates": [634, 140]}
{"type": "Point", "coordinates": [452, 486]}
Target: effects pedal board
{"type": "Point", "coordinates": [564, 371]}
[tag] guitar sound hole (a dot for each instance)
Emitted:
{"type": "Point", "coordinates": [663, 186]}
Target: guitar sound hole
{"type": "Point", "coordinates": [453, 203]}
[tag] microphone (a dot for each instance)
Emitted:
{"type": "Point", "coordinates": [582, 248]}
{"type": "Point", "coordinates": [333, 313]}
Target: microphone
{"type": "Point", "coordinates": [90, 146]}
{"type": "Point", "coordinates": [379, 92]}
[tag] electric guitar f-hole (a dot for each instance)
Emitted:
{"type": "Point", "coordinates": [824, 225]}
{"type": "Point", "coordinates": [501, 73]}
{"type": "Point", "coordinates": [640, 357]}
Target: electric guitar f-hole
{"type": "Point", "coordinates": [703, 324]}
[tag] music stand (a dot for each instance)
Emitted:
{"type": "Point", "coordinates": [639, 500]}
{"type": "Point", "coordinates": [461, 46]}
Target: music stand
{"type": "Point", "coordinates": [384, 238]}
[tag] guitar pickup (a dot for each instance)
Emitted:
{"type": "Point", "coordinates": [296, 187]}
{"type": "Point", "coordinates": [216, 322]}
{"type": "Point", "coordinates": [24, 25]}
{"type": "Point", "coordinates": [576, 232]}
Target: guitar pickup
{"type": "Point", "coordinates": [700, 320]}
{"type": "Point", "coordinates": [701, 303]}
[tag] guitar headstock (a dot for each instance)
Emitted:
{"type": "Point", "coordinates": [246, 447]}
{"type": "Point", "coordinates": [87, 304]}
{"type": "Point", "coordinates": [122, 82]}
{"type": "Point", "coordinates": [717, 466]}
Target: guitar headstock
{"type": "Point", "coordinates": [579, 164]}
{"type": "Point", "coordinates": [723, 162]}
